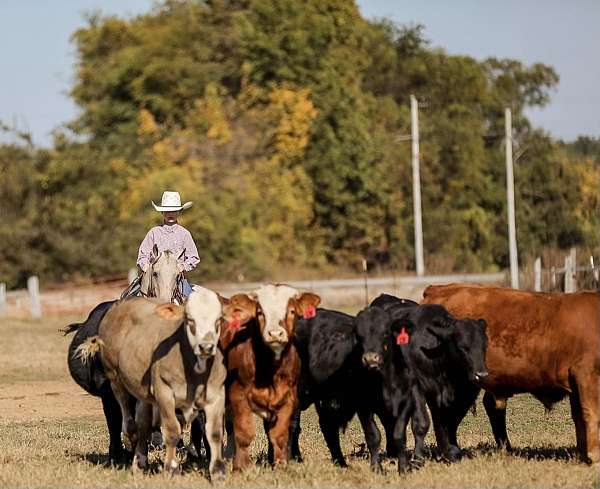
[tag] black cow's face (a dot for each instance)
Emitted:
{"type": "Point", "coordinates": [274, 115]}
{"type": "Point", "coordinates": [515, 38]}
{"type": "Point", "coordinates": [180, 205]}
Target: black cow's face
{"type": "Point", "coordinates": [471, 342]}
{"type": "Point", "coordinates": [372, 330]}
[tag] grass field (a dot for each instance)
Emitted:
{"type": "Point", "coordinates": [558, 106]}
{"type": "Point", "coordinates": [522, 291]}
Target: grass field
{"type": "Point", "coordinates": [52, 434]}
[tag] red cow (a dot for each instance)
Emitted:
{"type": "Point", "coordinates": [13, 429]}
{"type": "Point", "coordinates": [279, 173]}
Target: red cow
{"type": "Point", "coordinates": [263, 365]}
{"type": "Point", "coordinates": [546, 344]}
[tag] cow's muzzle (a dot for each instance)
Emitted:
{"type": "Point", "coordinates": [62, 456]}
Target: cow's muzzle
{"type": "Point", "coordinates": [372, 360]}
{"type": "Point", "coordinates": [276, 339]}
{"type": "Point", "coordinates": [479, 376]}
{"type": "Point", "coordinates": [203, 352]}
{"type": "Point", "coordinates": [206, 349]}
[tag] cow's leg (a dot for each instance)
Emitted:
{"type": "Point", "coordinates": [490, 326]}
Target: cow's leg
{"type": "Point", "coordinates": [114, 419]}
{"type": "Point", "coordinates": [143, 421]}
{"type": "Point", "coordinates": [230, 444]}
{"type": "Point", "coordinates": [496, 412]}
{"type": "Point", "coordinates": [197, 434]}
{"type": "Point", "coordinates": [279, 431]}
{"type": "Point", "coordinates": [214, 433]}
{"type": "Point", "coordinates": [330, 427]}
{"type": "Point", "coordinates": [244, 427]}
{"type": "Point", "coordinates": [448, 452]}
{"type": "Point", "coordinates": [123, 399]}
{"type": "Point", "coordinates": [588, 390]}
{"type": "Point", "coordinates": [420, 426]}
{"type": "Point", "coordinates": [169, 424]}
{"type": "Point", "coordinates": [399, 436]}
{"type": "Point", "coordinates": [295, 436]}
{"type": "Point", "coordinates": [372, 437]}
{"type": "Point", "coordinates": [389, 424]}
{"type": "Point", "coordinates": [577, 417]}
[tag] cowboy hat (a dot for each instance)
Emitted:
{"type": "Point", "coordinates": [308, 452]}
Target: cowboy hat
{"type": "Point", "coordinates": [171, 201]}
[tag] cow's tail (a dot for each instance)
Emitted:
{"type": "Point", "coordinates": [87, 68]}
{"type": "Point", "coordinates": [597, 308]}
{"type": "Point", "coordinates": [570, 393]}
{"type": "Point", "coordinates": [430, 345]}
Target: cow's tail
{"type": "Point", "coordinates": [88, 349]}
{"type": "Point", "coordinates": [71, 328]}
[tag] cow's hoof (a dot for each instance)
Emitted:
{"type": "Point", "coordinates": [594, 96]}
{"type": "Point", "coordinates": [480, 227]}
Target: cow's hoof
{"type": "Point", "coordinates": [139, 464]}
{"type": "Point", "coordinates": [218, 472]}
{"type": "Point", "coordinates": [377, 468]}
{"type": "Point", "coordinates": [453, 454]}
{"type": "Point", "coordinates": [341, 463]}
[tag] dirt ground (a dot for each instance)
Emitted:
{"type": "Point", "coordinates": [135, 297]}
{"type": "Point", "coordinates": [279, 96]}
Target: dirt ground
{"type": "Point", "coordinates": [49, 400]}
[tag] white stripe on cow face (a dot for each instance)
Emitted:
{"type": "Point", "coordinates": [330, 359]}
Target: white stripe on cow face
{"type": "Point", "coordinates": [274, 301]}
{"type": "Point", "coordinates": [203, 312]}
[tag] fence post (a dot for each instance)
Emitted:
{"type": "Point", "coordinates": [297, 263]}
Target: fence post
{"type": "Point", "coordinates": [365, 272]}
{"type": "Point", "coordinates": [537, 270]}
{"type": "Point", "coordinates": [33, 286]}
{"type": "Point", "coordinates": [570, 265]}
{"type": "Point", "coordinates": [2, 298]}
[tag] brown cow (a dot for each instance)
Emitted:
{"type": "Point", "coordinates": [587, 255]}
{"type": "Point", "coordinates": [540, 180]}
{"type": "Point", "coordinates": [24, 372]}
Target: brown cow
{"type": "Point", "coordinates": [546, 344]}
{"type": "Point", "coordinates": [263, 365]}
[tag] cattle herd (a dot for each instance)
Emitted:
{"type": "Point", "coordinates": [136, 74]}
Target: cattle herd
{"type": "Point", "coordinates": [213, 363]}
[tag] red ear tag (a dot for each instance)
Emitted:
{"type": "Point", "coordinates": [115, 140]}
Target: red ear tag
{"type": "Point", "coordinates": [309, 312]}
{"type": "Point", "coordinates": [402, 338]}
{"type": "Point", "coordinates": [235, 323]}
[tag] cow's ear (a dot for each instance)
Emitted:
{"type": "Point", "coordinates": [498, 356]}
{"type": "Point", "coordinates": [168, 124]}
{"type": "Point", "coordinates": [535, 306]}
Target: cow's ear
{"type": "Point", "coordinates": [306, 305]}
{"type": "Point", "coordinates": [240, 310]}
{"type": "Point", "coordinates": [223, 300]}
{"type": "Point", "coordinates": [442, 332]}
{"type": "Point", "coordinates": [169, 311]}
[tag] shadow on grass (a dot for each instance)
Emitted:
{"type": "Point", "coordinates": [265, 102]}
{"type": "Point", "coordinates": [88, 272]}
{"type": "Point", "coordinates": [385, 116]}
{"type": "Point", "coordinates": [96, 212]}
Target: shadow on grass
{"type": "Point", "coordinates": [564, 453]}
{"type": "Point", "coordinates": [188, 463]}
{"type": "Point", "coordinates": [568, 454]}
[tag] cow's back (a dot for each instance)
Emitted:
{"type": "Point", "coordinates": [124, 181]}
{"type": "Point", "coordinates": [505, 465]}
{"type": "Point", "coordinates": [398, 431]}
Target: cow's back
{"type": "Point", "coordinates": [534, 339]}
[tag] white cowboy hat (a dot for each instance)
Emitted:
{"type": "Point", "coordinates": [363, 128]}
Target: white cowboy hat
{"type": "Point", "coordinates": [171, 201]}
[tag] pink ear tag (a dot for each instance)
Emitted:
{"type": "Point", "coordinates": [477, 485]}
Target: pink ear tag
{"type": "Point", "coordinates": [235, 323]}
{"type": "Point", "coordinates": [402, 338]}
{"type": "Point", "coordinates": [310, 312]}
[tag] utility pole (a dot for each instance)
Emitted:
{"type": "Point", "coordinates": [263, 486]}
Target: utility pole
{"type": "Point", "coordinates": [510, 196]}
{"type": "Point", "coordinates": [414, 116]}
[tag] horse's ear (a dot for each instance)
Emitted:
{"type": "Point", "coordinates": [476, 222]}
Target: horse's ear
{"type": "Point", "coordinates": [181, 255]}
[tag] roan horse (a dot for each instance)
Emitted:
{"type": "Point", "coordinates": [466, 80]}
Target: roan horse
{"type": "Point", "coordinates": [160, 281]}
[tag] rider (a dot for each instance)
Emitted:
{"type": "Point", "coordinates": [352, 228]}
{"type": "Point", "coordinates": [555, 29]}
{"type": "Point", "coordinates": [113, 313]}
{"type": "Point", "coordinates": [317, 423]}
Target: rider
{"type": "Point", "coordinates": [170, 236]}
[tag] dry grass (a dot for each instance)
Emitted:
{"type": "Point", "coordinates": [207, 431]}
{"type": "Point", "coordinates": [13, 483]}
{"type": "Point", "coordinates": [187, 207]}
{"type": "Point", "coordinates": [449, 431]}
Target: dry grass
{"type": "Point", "coordinates": [64, 443]}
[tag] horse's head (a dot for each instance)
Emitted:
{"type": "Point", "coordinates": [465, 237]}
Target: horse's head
{"type": "Point", "coordinates": [160, 279]}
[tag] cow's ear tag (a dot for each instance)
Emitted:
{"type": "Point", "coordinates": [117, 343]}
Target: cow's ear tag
{"type": "Point", "coordinates": [235, 323]}
{"type": "Point", "coordinates": [309, 312]}
{"type": "Point", "coordinates": [402, 338]}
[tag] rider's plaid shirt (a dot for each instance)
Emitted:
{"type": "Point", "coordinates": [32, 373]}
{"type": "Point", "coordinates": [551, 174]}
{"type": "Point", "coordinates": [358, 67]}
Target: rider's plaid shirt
{"type": "Point", "coordinates": [174, 238]}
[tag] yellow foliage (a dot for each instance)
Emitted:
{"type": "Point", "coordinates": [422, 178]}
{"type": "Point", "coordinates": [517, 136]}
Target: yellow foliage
{"type": "Point", "coordinates": [209, 114]}
{"type": "Point", "coordinates": [294, 112]}
{"type": "Point", "coordinates": [147, 125]}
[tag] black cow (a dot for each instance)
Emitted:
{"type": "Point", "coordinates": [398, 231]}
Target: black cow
{"type": "Point", "coordinates": [335, 379]}
{"type": "Point", "coordinates": [381, 345]}
{"type": "Point", "coordinates": [90, 377]}
{"type": "Point", "coordinates": [447, 358]}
